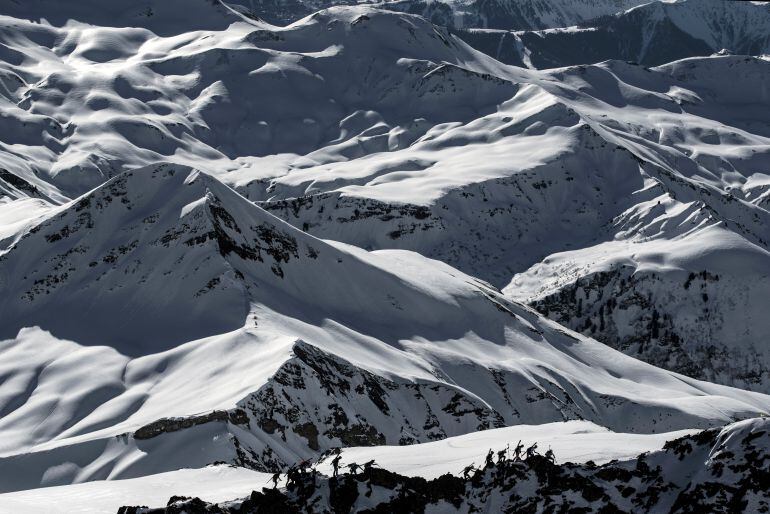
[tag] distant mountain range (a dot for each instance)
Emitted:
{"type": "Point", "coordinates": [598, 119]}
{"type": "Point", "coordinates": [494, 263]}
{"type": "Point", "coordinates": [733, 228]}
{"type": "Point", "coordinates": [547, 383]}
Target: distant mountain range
{"type": "Point", "coordinates": [550, 34]}
{"type": "Point", "coordinates": [650, 34]}
{"type": "Point", "coordinates": [228, 242]}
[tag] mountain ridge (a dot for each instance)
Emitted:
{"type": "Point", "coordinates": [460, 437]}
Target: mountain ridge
{"type": "Point", "coordinates": [230, 243]}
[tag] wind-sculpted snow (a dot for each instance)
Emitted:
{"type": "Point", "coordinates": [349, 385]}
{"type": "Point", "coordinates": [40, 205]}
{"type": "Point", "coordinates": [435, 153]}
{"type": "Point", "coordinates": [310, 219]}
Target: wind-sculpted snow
{"type": "Point", "coordinates": [223, 241]}
{"type": "Point", "coordinates": [83, 103]}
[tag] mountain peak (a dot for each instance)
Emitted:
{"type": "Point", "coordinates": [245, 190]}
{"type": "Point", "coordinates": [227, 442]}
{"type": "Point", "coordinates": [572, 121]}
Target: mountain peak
{"type": "Point", "coordinates": [160, 238]}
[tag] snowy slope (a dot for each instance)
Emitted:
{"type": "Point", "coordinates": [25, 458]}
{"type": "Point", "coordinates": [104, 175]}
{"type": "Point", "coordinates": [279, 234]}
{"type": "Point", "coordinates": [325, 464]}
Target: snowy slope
{"type": "Point", "coordinates": [228, 241]}
{"type": "Point", "coordinates": [576, 441]}
{"type": "Point", "coordinates": [710, 471]}
{"type": "Point", "coordinates": [350, 347]}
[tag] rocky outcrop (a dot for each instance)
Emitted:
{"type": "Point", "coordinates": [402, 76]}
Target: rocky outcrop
{"type": "Point", "coordinates": [166, 425]}
{"type": "Point", "coordinates": [317, 401]}
{"type": "Point", "coordinates": [673, 320]}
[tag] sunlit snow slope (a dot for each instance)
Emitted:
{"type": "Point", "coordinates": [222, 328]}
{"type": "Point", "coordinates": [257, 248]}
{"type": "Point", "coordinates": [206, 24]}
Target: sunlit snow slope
{"type": "Point", "coordinates": [295, 344]}
{"type": "Point", "coordinates": [576, 441]}
{"type": "Point", "coordinates": [227, 241]}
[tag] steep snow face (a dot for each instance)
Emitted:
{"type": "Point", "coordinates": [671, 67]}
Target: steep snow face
{"type": "Point", "coordinates": [326, 344]}
{"type": "Point", "coordinates": [641, 297]}
{"type": "Point", "coordinates": [143, 258]}
{"type": "Point", "coordinates": [651, 34]}
{"type": "Point", "coordinates": [741, 28]}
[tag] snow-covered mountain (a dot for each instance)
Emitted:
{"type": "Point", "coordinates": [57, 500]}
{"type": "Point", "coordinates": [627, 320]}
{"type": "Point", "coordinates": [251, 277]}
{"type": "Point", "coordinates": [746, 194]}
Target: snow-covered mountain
{"type": "Point", "coordinates": [496, 14]}
{"type": "Point", "coordinates": [623, 166]}
{"type": "Point", "coordinates": [185, 316]}
{"type": "Point", "coordinates": [651, 34]}
{"type": "Point", "coordinates": [432, 147]}
{"type": "Point", "coordinates": [541, 14]}
{"type": "Point", "coordinates": [80, 114]}
{"type": "Point", "coordinates": [225, 241]}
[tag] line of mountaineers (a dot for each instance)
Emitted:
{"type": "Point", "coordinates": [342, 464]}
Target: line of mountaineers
{"type": "Point", "coordinates": [304, 474]}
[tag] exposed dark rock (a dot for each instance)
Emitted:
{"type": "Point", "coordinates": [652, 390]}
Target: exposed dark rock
{"type": "Point", "coordinates": [237, 416]}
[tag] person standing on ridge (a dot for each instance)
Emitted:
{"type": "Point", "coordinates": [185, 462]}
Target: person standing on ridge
{"type": "Point", "coordinates": [501, 455]}
{"type": "Point", "coordinates": [489, 461]}
{"type": "Point", "coordinates": [517, 451]}
{"type": "Point", "coordinates": [336, 464]}
{"type": "Point", "coordinates": [531, 451]}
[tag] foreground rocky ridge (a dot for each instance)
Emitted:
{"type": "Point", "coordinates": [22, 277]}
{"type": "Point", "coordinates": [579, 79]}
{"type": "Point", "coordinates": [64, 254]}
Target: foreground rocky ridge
{"type": "Point", "coordinates": [717, 470]}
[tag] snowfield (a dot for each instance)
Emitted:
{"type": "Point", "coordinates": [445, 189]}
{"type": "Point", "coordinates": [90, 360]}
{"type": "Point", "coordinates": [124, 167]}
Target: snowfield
{"type": "Point", "coordinates": [675, 478]}
{"type": "Point", "coordinates": [230, 243]}
{"type": "Point", "coordinates": [576, 441]}
{"type": "Point", "coordinates": [213, 483]}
